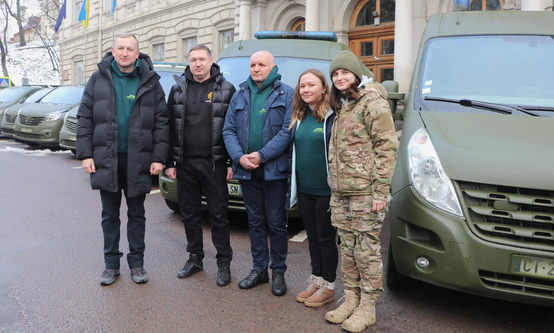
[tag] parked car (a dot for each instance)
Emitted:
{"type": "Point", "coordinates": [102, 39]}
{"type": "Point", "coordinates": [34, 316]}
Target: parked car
{"type": "Point", "coordinates": [68, 132]}
{"type": "Point", "coordinates": [40, 123]}
{"type": "Point", "coordinates": [13, 95]}
{"type": "Point", "coordinates": [473, 191]}
{"type": "Point", "coordinates": [294, 53]}
{"type": "Point", "coordinates": [10, 115]}
{"type": "Point", "coordinates": [166, 70]}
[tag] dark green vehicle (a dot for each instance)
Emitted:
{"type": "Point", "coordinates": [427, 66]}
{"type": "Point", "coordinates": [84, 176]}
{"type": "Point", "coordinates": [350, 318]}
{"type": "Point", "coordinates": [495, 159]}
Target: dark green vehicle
{"type": "Point", "coordinates": [40, 123]}
{"type": "Point", "coordinates": [473, 190]}
{"type": "Point", "coordinates": [68, 132]}
{"type": "Point", "coordinates": [292, 56]}
{"type": "Point", "coordinates": [13, 95]}
{"type": "Point", "coordinates": [10, 115]}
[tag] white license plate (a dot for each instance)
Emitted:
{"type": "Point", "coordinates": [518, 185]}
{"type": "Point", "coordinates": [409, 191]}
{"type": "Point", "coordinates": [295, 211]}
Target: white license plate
{"type": "Point", "coordinates": [234, 190]}
{"type": "Point", "coordinates": [9, 125]}
{"type": "Point", "coordinates": [26, 129]}
{"type": "Point", "coordinates": [535, 267]}
{"type": "Point", "coordinates": [72, 138]}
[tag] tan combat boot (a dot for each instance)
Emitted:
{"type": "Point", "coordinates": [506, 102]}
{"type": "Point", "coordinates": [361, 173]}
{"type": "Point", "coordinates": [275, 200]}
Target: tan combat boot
{"type": "Point", "coordinates": [363, 316]}
{"type": "Point", "coordinates": [340, 314]}
{"type": "Point", "coordinates": [314, 283]}
{"type": "Point", "coordinates": [325, 294]}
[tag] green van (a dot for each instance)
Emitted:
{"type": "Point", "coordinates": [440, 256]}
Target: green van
{"type": "Point", "coordinates": [473, 191]}
{"type": "Point", "coordinates": [10, 115]}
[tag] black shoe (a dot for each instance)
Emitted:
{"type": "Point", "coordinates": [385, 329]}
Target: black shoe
{"type": "Point", "coordinates": [192, 266]}
{"type": "Point", "coordinates": [223, 276]}
{"type": "Point", "coordinates": [253, 279]}
{"type": "Point", "coordinates": [279, 287]}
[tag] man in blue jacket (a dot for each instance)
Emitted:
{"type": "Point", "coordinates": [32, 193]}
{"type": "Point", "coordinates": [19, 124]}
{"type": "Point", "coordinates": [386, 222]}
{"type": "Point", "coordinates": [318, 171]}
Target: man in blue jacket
{"type": "Point", "coordinates": [256, 135]}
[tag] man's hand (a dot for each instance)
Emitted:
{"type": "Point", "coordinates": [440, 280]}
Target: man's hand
{"type": "Point", "coordinates": [156, 168]}
{"type": "Point", "coordinates": [246, 163]}
{"type": "Point", "coordinates": [378, 205]}
{"type": "Point", "coordinates": [255, 158]}
{"type": "Point", "coordinates": [171, 173]}
{"type": "Point", "coordinates": [88, 165]}
{"type": "Point", "coordinates": [229, 174]}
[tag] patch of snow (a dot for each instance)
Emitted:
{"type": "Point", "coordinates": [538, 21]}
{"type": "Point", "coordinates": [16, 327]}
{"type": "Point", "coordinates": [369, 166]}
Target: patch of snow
{"type": "Point", "coordinates": [37, 152]}
{"type": "Point", "coordinates": [32, 61]}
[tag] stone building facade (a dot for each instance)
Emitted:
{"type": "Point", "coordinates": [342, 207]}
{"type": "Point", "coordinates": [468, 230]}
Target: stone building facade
{"type": "Point", "coordinates": [385, 34]}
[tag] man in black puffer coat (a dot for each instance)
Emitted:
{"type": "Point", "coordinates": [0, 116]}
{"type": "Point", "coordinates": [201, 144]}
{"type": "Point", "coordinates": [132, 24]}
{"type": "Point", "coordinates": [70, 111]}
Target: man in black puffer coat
{"type": "Point", "coordinates": [197, 106]}
{"type": "Point", "coordinates": [123, 139]}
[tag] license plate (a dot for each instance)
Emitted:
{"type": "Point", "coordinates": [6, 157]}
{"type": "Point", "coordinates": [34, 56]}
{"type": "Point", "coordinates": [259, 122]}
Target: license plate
{"type": "Point", "coordinates": [72, 138]}
{"type": "Point", "coordinates": [26, 129]}
{"type": "Point", "coordinates": [9, 125]}
{"type": "Point", "coordinates": [535, 267]}
{"type": "Point", "coordinates": [234, 190]}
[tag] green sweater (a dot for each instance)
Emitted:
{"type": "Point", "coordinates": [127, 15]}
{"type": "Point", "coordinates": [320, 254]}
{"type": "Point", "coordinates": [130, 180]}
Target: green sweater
{"type": "Point", "coordinates": [311, 168]}
{"type": "Point", "coordinates": [258, 99]}
{"type": "Point", "coordinates": [125, 85]}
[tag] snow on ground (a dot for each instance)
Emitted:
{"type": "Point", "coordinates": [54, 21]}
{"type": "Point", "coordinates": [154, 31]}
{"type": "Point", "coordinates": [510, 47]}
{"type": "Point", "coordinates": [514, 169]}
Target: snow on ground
{"type": "Point", "coordinates": [32, 60]}
{"type": "Point", "coordinates": [33, 152]}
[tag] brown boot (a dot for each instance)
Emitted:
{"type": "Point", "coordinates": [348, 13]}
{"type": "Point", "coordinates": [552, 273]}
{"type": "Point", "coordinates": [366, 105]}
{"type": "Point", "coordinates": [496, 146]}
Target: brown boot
{"type": "Point", "coordinates": [314, 282]}
{"type": "Point", "coordinates": [340, 314]}
{"type": "Point", "coordinates": [325, 294]}
{"type": "Point", "coordinates": [363, 316]}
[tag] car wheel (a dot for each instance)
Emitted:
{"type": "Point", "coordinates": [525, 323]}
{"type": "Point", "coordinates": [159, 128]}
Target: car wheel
{"type": "Point", "coordinates": [174, 206]}
{"type": "Point", "coordinates": [395, 280]}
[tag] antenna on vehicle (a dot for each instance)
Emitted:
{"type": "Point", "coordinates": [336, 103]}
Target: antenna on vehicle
{"type": "Point", "coordinates": [240, 44]}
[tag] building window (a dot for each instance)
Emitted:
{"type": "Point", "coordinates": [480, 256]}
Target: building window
{"type": "Point", "coordinates": [227, 37]}
{"type": "Point", "coordinates": [159, 52]}
{"type": "Point", "coordinates": [369, 8]}
{"type": "Point", "coordinates": [478, 5]}
{"type": "Point", "coordinates": [299, 25]}
{"type": "Point", "coordinates": [188, 43]}
{"type": "Point", "coordinates": [79, 70]}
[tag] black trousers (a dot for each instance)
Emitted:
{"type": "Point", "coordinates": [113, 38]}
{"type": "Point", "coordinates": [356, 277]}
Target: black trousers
{"type": "Point", "coordinates": [194, 176]}
{"type": "Point", "coordinates": [316, 217]}
{"type": "Point", "coordinates": [111, 223]}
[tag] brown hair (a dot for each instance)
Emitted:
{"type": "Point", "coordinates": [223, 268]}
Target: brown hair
{"type": "Point", "coordinates": [299, 107]}
{"type": "Point", "coordinates": [201, 47]}
{"type": "Point", "coordinates": [350, 93]}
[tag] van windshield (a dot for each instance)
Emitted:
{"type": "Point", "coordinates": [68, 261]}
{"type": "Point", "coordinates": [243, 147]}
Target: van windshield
{"type": "Point", "coordinates": [514, 70]}
{"type": "Point", "coordinates": [64, 96]}
{"type": "Point", "coordinates": [237, 70]}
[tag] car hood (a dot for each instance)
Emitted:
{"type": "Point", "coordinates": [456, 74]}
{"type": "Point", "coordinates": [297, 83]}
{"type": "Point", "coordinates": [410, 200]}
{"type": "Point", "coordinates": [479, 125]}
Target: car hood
{"type": "Point", "coordinates": [40, 110]}
{"type": "Point", "coordinates": [494, 149]}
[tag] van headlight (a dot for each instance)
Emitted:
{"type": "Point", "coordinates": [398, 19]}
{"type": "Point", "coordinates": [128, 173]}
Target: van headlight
{"type": "Point", "coordinates": [55, 115]}
{"type": "Point", "coordinates": [428, 177]}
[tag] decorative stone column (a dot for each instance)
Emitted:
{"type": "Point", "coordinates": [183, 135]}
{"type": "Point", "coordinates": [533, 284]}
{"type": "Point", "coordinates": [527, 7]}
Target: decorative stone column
{"type": "Point", "coordinates": [245, 20]}
{"type": "Point", "coordinates": [403, 41]}
{"type": "Point", "coordinates": [312, 15]}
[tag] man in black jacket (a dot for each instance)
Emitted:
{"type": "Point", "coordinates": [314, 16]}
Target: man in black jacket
{"type": "Point", "coordinates": [123, 139]}
{"type": "Point", "coordinates": [197, 106]}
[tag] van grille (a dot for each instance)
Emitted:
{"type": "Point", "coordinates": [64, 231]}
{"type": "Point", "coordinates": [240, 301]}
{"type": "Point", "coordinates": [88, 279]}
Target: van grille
{"type": "Point", "coordinates": [28, 135]}
{"type": "Point", "coordinates": [10, 118]}
{"type": "Point", "coordinates": [71, 124]}
{"type": "Point", "coordinates": [523, 285]}
{"type": "Point", "coordinates": [34, 121]}
{"type": "Point", "coordinates": [511, 215]}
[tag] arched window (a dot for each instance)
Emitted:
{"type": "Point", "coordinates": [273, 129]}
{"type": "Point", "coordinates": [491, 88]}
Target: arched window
{"type": "Point", "coordinates": [367, 11]}
{"type": "Point", "coordinates": [299, 25]}
{"type": "Point", "coordinates": [477, 5]}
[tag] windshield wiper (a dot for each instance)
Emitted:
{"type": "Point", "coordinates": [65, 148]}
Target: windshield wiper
{"type": "Point", "coordinates": [496, 107]}
{"type": "Point", "coordinates": [537, 108]}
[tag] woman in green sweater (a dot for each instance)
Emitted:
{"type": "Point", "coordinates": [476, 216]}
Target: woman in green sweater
{"type": "Point", "coordinates": [310, 126]}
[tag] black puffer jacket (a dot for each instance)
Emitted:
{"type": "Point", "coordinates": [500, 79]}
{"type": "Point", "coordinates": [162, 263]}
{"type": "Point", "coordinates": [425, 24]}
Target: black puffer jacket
{"type": "Point", "coordinates": [97, 128]}
{"type": "Point", "coordinates": [222, 93]}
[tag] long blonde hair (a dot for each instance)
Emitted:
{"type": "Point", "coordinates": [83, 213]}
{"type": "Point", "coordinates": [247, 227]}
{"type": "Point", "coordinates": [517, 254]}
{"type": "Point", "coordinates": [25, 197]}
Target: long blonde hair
{"type": "Point", "coordinates": [299, 107]}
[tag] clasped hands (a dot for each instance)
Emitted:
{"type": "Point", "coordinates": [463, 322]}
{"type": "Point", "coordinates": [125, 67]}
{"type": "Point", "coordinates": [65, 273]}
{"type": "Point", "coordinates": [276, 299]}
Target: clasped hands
{"type": "Point", "coordinates": [250, 161]}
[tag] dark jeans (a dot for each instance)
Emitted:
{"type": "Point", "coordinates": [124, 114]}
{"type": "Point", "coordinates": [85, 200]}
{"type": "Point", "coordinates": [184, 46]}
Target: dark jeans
{"type": "Point", "coordinates": [111, 223]}
{"type": "Point", "coordinates": [316, 217]}
{"type": "Point", "coordinates": [265, 205]}
{"type": "Point", "coordinates": [195, 175]}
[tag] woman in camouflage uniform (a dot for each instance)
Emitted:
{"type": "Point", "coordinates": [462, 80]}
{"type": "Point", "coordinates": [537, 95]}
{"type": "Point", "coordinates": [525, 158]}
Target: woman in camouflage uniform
{"type": "Point", "coordinates": [362, 156]}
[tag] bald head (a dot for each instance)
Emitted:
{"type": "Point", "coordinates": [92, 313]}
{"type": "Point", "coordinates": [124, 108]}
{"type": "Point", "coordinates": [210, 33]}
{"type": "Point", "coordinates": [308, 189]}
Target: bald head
{"type": "Point", "coordinates": [261, 64]}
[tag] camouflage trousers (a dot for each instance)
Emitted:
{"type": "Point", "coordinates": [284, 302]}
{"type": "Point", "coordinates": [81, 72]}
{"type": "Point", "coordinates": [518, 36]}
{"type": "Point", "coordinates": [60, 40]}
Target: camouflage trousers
{"type": "Point", "coordinates": [359, 228]}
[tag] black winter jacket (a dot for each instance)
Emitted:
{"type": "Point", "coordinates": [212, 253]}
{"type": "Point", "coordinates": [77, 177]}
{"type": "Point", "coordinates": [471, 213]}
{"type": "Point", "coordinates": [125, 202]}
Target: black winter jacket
{"type": "Point", "coordinates": [222, 93]}
{"type": "Point", "coordinates": [97, 128]}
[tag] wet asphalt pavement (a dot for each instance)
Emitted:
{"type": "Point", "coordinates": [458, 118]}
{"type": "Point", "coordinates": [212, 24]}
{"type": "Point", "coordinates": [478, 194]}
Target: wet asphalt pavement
{"type": "Point", "coordinates": [51, 259]}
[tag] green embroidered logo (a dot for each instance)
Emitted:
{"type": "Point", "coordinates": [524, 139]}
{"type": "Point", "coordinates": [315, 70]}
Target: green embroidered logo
{"type": "Point", "coordinates": [131, 97]}
{"type": "Point", "coordinates": [318, 130]}
{"type": "Point", "coordinates": [262, 111]}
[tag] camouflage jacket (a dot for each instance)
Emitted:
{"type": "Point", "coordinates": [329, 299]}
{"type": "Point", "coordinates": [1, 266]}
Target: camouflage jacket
{"type": "Point", "coordinates": [362, 151]}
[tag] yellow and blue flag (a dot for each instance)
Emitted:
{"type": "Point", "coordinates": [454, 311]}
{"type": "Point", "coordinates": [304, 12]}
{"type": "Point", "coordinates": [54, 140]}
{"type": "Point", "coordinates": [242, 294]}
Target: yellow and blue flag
{"type": "Point", "coordinates": [83, 15]}
{"type": "Point", "coordinates": [114, 3]}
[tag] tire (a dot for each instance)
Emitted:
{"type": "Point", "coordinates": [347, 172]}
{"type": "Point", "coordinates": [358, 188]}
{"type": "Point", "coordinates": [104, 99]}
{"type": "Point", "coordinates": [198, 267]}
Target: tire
{"type": "Point", "coordinates": [395, 280]}
{"type": "Point", "coordinates": [174, 206]}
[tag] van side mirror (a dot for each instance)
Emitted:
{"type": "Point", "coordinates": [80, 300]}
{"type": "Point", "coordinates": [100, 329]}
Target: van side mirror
{"type": "Point", "coordinates": [394, 97]}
